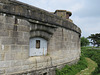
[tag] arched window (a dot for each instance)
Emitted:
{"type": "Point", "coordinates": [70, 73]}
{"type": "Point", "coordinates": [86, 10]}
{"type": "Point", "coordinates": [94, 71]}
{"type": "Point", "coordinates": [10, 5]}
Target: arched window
{"type": "Point", "coordinates": [38, 46]}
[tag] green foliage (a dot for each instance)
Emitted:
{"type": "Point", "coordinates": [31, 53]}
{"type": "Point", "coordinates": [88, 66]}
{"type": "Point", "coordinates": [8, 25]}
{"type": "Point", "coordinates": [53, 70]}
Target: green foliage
{"type": "Point", "coordinates": [89, 52]}
{"type": "Point", "coordinates": [74, 69]}
{"type": "Point", "coordinates": [84, 41]}
{"type": "Point", "coordinates": [95, 39]}
{"type": "Point", "coordinates": [94, 54]}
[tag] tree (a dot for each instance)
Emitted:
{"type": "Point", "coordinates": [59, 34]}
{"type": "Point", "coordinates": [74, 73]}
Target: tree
{"type": "Point", "coordinates": [95, 38]}
{"type": "Point", "coordinates": [84, 41]}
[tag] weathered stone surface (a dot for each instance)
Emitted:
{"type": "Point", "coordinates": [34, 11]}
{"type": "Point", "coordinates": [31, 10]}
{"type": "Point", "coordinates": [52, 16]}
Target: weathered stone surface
{"type": "Point", "coordinates": [38, 14]}
{"type": "Point", "coordinates": [5, 64]}
{"type": "Point", "coordinates": [2, 18]}
{"type": "Point", "coordinates": [63, 40]}
{"type": "Point", "coordinates": [4, 33]}
{"type": "Point", "coordinates": [16, 34]}
{"type": "Point", "coordinates": [23, 42]}
{"type": "Point", "coordinates": [9, 56]}
{"type": "Point", "coordinates": [16, 48]}
{"type": "Point", "coordinates": [25, 48]}
{"type": "Point", "coordinates": [2, 26]}
{"type": "Point", "coordinates": [25, 55]}
{"type": "Point", "coordinates": [25, 67]}
{"type": "Point", "coordinates": [3, 49]}
{"type": "Point", "coordinates": [23, 28]}
{"type": "Point", "coordinates": [16, 63]}
{"type": "Point", "coordinates": [8, 41]}
{"type": "Point", "coordinates": [26, 36]}
{"type": "Point", "coordinates": [9, 26]}
{"type": "Point", "coordinates": [13, 69]}
{"type": "Point", "coordinates": [2, 71]}
{"type": "Point", "coordinates": [23, 22]}
{"type": "Point", "coordinates": [42, 34]}
{"type": "Point", "coordinates": [1, 57]}
{"type": "Point", "coordinates": [9, 19]}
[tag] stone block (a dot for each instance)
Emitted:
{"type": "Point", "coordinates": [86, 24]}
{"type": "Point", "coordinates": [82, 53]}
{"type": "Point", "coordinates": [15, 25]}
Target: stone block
{"type": "Point", "coordinates": [2, 26]}
{"type": "Point", "coordinates": [21, 39]}
{"type": "Point", "coordinates": [2, 71]}
{"type": "Point", "coordinates": [13, 70]}
{"type": "Point", "coordinates": [1, 57]}
{"type": "Point", "coordinates": [23, 22]}
{"type": "Point", "coordinates": [8, 26]}
{"type": "Point", "coordinates": [9, 41]}
{"type": "Point", "coordinates": [16, 63]}
{"type": "Point", "coordinates": [9, 56]}
{"type": "Point", "coordinates": [29, 61]}
{"type": "Point", "coordinates": [23, 28]}
{"type": "Point", "coordinates": [18, 56]}
{"type": "Point", "coordinates": [16, 34]}
{"type": "Point", "coordinates": [4, 33]}
{"type": "Point", "coordinates": [26, 35]}
{"type": "Point", "coordinates": [2, 18]}
{"type": "Point", "coordinates": [32, 66]}
{"type": "Point", "coordinates": [25, 55]}
{"type": "Point", "coordinates": [0, 48]}
{"type": "Point", "coordinates": [13, 34]}
{"type": "Point", "coordinates": [25, 48]}
{"type": "Point", "coordinates": [9, 19]}
{"type": "Point", "coordinates": [6, 48]}
{"type": "Point", "coordinates": [23, 42]}
{"type": "Point", "coordinates": [17, 48]}
{"type": "Point", "coordinates": [25, 67]}
{"type": "Point", "coordinates": [5, 64]}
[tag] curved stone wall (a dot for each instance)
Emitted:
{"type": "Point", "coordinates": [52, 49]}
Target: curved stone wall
{"type": "Point", "coordinates": [30, 12]}
{"type": "Point", "coordinates": [19, 23]}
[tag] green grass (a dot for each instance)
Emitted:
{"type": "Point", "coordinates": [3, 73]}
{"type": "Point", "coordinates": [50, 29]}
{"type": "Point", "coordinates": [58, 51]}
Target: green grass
{"type": "Point", "coordinates": [92, 61]}
{"type": "Point", "coordinates": [91, 67]}
{"type": "Point", "coordinates": [74, 69]}
{"type": "Point", "coordinates": [93, 54]}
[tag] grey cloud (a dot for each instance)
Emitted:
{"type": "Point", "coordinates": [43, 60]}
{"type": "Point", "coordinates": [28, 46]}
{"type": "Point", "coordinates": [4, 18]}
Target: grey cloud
{"type": "Point", "coordinates": [91, 9]}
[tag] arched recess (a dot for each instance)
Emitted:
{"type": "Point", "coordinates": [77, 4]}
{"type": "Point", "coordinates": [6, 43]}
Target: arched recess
{"type": "Point", "coordinates": [41, 34]}
{"type": "Point", "coordinates": [38, 46]}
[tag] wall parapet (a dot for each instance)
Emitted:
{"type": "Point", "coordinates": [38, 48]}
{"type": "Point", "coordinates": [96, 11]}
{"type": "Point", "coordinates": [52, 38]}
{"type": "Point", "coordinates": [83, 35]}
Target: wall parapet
{"type": "Point", "coordinates": [17, 8]}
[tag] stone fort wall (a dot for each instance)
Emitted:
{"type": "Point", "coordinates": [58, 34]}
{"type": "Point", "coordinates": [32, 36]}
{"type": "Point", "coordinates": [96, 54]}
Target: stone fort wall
{"type": "Point", "coordinates": [18, 23]}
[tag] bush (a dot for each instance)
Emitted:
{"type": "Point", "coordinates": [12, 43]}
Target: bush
{"type": "Point", "coordinates": [74, 69]}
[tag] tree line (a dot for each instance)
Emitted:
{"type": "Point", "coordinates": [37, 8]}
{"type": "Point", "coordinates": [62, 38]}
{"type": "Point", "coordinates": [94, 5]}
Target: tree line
{"type": "Point", "coordinates": [95, 40]}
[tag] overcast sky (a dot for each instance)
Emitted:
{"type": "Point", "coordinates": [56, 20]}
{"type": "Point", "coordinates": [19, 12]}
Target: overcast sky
{"type": "Point", "coordinates": [85, 13]}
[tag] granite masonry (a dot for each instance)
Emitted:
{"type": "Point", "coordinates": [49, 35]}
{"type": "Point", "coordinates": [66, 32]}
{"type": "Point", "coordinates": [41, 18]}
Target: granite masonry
{"type": "Point", "coordinates": [21, 22]}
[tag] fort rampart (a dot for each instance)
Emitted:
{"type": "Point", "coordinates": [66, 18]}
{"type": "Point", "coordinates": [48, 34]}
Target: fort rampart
{"type": "Point", "coordinates": [22, 24]}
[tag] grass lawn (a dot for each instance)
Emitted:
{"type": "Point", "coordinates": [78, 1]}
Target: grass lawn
{"type": "Point", "coordinates": [91, 67]}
